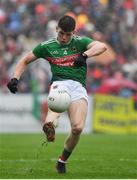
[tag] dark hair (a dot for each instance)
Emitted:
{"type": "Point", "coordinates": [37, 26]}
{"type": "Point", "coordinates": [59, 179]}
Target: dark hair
{"type": "Point", "coordinates": [67, 23]}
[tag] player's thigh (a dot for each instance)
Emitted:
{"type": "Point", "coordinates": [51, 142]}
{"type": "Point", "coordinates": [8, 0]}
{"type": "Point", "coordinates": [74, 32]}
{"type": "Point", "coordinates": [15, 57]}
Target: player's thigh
{"type": "Point", "coordinates": [77, 113]}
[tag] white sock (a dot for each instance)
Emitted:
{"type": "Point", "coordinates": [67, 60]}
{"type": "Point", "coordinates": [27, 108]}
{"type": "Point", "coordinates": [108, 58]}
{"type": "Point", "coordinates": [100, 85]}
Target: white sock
{"type": "Point", "coordinates": [60, 160]}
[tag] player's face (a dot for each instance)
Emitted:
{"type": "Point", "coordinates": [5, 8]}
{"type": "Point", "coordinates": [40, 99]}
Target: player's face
{"type": "Point", "coordinates": [64, 37]}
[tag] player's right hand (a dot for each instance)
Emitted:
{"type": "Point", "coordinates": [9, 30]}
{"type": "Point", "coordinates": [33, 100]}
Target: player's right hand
{"type": "Point", "coordinates": [12, 85]}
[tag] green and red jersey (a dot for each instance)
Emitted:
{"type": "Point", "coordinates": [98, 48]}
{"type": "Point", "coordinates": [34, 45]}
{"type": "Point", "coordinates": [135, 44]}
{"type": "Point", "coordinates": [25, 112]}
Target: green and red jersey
{"type": "Point", "coordinates": [61, 58]}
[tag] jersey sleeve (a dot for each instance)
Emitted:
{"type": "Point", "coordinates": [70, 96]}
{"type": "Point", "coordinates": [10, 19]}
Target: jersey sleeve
{"type": "Point", "coordinates": [38, 51]}
{"type": "Point", "coordinates": [86, 41]}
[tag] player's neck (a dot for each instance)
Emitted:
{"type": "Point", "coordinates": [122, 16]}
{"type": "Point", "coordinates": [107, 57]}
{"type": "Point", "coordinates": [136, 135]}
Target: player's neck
{"type": "Point", "coordinates": [65, 43]}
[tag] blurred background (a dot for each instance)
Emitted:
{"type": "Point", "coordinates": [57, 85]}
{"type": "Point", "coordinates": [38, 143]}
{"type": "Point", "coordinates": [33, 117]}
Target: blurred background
{"type": "Point", "coordinates": [111, 77]}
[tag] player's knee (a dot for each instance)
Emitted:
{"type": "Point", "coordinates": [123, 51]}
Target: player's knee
{"type": "Point", "coordinates": [77, 130]}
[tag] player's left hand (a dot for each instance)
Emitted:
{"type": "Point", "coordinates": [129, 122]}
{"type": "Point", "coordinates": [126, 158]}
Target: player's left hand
{"type": "Point", "coordinates": [81, 60]}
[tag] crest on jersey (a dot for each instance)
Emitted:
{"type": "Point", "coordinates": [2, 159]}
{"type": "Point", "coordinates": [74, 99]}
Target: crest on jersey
{"type": "Point", "coordinates": [74, 48]}
{"type": "Point", "coordinates": [55, 87]}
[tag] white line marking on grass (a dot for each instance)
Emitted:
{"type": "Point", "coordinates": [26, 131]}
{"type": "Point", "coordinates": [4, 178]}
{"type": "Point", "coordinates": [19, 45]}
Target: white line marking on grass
{"type": "Point", "coordinates": [53, 160]}
{"type": "Point", "coordinates": [134, 160]}
{"type": "Point", "coordinates": [74, 159]}
{"type": "Point", "coordinates": [35, 160]}
{"type": "Point", "coordinates": [22, 160]}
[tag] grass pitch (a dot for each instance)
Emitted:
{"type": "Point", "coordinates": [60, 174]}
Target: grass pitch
{"type": "Point", "coordinates": [22, 156]}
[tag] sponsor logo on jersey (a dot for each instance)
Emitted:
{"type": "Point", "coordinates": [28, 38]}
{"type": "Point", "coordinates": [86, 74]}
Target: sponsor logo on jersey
{"type": "Point", "coordinates": [63, 61]}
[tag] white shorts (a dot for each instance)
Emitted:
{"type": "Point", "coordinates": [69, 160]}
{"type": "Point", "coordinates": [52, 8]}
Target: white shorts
{"type": "Point", "coordinates": [74, 88]}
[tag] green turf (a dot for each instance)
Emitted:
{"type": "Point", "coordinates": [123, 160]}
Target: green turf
{"type": "Point", "coordinates": [97, 156]}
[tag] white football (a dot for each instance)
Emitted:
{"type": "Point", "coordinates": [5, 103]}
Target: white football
{"type": "Point", "coordinates": [58, 100]}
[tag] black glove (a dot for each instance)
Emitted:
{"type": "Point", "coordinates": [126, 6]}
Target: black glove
{"type": "Point", "coordinates": [12, 85]}
{"type": "Point", "coordinates": [81, 60]}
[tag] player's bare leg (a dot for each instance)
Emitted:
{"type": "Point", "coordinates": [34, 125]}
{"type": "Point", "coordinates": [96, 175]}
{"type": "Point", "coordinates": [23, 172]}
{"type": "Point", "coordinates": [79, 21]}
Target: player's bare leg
{"type": "Point", "coordinates": [51, 122]}
{"type": "Point", "coordinates": [52, 117]}
{"type": "Point", "coordinates": [77, 114]}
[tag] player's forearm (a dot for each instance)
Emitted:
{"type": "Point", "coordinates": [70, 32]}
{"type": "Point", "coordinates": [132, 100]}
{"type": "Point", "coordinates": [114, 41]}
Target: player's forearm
{"type": "Point", "coordinates": [20, 68]}
{"type": "Point", "coordinates": [22, 64]}
{"type": "Point", "coordinates": [96, 48]}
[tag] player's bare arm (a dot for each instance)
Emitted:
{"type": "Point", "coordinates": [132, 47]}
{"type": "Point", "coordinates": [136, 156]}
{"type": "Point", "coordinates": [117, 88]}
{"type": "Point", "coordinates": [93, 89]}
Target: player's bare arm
{"type": "Point", "coordinates": [95, 48]}
{"type": "Point", "coordinates": [23, 63]}
{"type": "Point", "coordinates": [19, 69]}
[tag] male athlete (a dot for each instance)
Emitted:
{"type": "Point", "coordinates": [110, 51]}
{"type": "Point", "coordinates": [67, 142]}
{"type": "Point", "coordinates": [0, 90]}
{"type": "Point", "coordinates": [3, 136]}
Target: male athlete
{"type": "Point", "coordinates": [67, 56]}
